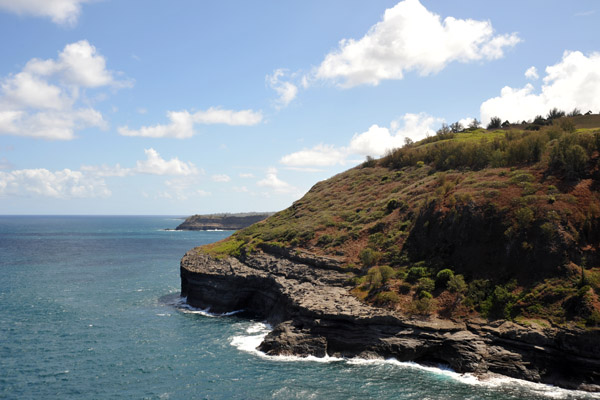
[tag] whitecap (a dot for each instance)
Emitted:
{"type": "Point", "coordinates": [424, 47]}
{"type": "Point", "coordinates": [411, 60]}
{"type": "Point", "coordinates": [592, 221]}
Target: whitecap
{"type": "Point", "coordinates": [184, 307]}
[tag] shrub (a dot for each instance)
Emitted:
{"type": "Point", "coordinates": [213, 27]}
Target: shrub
{"type": "Point", "coordinates": [423, 306]}
{"type": "Point", "coordinates": [392, 205]}
{"type": "Point", "coordinates": [416, 273]}
{"type": "Point", "coordinates": [369, 257]}
{"type": "Point", "coordinates": [495, 123]}
{"type": "Point", "coordinates": [387, 298]}
{"type": "Point", "coordinates": [374, 278]}
{"type": "Point", "coordinates": [369, 162]}
{"type": "Point", "coordinates": [555, 113]}
{"type": "Point", "coordinates": [387, 272]}
{"type": "Point", "coordinates": [524, 217]}
{"type": "Point", "coordinates": [442, 277]}
{"type": "Point", "coordinates": [499, 304]}
{"type": "Point", "coordinates": [426, 285]}
{"type": "Point", "coordinates": [457, 284]}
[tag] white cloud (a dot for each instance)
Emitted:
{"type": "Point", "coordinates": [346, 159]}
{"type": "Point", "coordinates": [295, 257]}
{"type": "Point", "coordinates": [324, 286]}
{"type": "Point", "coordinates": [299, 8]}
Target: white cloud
{"type": "Point", "coordinates": [377, 140]}
{"type": "Point", "coordinates": [44, 183]}
{"type": "Point", "coordinates": [240, 189]}
{"type": "Point", "coordinates": [156, 165]}
{"type": "Point", "coordinates": [574, 82]}
{"type": "Point", "coordinates": [273, 182]}
{"type": "Point", "coordinates": [184, 188]}
{"type": "Point", "coordinates": [43, 99]}
{"type": "Point", "coordinates": [221, 178]}
{"type": "Point", "coordinates": [411, 38]}
{"type": "Point", "coordinates": [182, 123]}
{"type": "Point", "coordinates": [246, 175]}
{"type": "Point", "coordinates": [286, 90]}
{"type": "Point", "coordinates": [64, 12]}
{"type": "Point", "coordinates": [373, 142]}
{"type": "Point", "coordinates": [321, 155]}
{"type": "Point", "coordinates": [531, 73]}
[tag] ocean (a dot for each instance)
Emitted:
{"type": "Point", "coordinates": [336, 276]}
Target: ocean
{"type": "Point", "coordinates": [91, 310]}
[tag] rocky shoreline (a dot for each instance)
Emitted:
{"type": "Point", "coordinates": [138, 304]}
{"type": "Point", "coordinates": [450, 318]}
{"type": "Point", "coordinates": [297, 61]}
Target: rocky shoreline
{"type": "Point", "coordinates": [307, 301]}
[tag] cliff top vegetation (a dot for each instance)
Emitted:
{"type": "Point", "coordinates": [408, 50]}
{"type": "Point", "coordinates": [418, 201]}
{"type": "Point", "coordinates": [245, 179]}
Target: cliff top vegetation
{"type": "Point", "coordinates": [502, 223]}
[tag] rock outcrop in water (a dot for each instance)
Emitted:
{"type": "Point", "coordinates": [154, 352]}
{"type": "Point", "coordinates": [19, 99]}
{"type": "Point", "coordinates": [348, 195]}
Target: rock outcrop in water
{"type": "Point", "coordinates": [307, 300]}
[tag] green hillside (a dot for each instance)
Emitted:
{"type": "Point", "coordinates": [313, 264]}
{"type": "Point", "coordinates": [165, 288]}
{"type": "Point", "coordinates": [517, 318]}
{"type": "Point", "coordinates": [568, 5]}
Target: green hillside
{"type": "Point", "coordinates": [498, 223]}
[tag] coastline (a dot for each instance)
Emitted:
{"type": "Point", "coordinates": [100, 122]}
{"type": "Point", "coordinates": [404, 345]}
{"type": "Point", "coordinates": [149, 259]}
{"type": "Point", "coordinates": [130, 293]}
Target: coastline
{"type": "Point", "coordinates": [314, 315]}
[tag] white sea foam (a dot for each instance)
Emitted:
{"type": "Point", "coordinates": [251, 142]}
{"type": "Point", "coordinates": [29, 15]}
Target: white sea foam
{"type": "Point", "coordinates": [256, 333]}
{"type": "Point", "coordinates": [184, 307]}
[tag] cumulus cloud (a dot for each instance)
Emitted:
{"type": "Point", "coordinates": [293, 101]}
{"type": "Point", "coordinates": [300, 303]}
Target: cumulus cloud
{"type": "Point", "coordinates": [184, 189]}
{"type": "Point", "coordinates": [375, 142]}
{"type": "Point", "coordinates": [280, 82]}
{"type": "Point", "coordinates": [271, 181]}
{"type": "Point", "coordinates": [321, 155]}
{"type": "Point", "coordinates": [411, 38]}
{"type": "Point", "coordinates": [156, 165]}
{"type": "Point", "coordinates": [531, 73]}
{"type": "Point", "coordinates": [64, 12]}
{"type": "Point", "coordinates": [89, 181]}
{"type": "Point", "coordinates": [44, 183]}
{"type": "Point", "coordinates": [43, 100]}
{"type": "Point", "coordinates": [221, 178]}
{"type": "Point", "coordinates": [574, 82]}
{"type": "Point", "coordinates": [182, 123]}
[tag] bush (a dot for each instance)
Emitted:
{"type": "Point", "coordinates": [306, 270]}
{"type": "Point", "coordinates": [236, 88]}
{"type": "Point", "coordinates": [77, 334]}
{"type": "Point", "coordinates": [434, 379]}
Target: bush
{"type": "Point", "coordinates": [387, 272]}
{"type": "Point", "coordinates": [392, 205]}
{"type": "Point", "coordinates": [426, 285]}
{"type": "Point", "coordinates": [374, 278]}
{"type": "Point", "coordinates": [442, 277]}
{"type": "Point", "coordinates": [387, 298]}
{"type": "Point", "coordinates": [495, 123]}
{"type": "Point", "coordinates": [499, 304]}
{"type": "Point", "coordinates": [369, 257]}
{"type": "Point", "coordinates": [423, 306]}
{"type": "Point", "coordinates": [457, 284]}
{"type": "Point", "coordinates": [416, 273]}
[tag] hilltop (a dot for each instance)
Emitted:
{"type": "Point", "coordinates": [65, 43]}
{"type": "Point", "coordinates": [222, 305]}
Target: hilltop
{"type": "Point", "coordinates": [499, 223]}
{"type": "Point", "coordinates": [475, 247]}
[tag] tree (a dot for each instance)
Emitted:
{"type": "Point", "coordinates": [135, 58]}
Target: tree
{"type": "Point", "coordinates": [456, 127]}
{"type": "Point", "coordinates": [495, 123]}
{"type": "Point", "coordinates": [575, 113]}
{"type": "Point", "coordinates": [555, 113]}
{"type": "Point", "coordinates": [444, 130]}
{"type": "Point", "coordinates": [475, 124]}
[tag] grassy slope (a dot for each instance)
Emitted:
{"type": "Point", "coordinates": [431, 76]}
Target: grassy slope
{"type": "Point", "coordinates": [520, 240]}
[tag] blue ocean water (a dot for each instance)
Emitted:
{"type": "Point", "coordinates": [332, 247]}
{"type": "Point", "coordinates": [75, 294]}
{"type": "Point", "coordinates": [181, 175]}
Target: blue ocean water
{"type": "Point", "coordinates": [90, 310]}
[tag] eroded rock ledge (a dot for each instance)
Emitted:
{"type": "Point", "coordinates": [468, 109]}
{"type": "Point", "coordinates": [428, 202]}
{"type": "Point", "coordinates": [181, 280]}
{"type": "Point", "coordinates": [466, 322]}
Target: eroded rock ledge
{"type": "Point", "coordinates": [313, 314]}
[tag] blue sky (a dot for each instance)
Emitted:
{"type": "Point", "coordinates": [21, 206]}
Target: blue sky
{"type": "Point", "coordinates": [184, 107]}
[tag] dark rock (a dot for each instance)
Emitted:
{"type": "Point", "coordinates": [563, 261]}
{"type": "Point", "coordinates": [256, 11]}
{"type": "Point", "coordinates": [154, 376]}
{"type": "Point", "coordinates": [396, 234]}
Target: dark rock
{"type": "Point", "coordinates": [314, 314]}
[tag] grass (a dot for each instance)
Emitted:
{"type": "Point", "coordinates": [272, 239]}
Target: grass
{"type": "Point", "coordinates": [383, 207]}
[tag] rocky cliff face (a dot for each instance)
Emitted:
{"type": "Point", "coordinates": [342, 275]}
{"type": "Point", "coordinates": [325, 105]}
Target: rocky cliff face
{"type": "Point", "coordinates": [313, 313]}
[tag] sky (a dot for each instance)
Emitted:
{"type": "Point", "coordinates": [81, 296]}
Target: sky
{"type": "Point", "coordinates": [188, 107]}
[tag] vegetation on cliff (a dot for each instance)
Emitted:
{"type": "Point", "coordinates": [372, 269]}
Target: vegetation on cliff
{"type": "Point", "coordinates": [499, 223]}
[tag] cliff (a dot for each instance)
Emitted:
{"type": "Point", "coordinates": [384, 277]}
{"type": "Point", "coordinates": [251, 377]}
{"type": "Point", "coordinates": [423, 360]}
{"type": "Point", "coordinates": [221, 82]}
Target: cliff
{"type": "Point", "coordinates": [227, 222]}
{"type": "Point", "coordinates": [313, 313]}
{"type": "Point", "coordinates": [478, 249]}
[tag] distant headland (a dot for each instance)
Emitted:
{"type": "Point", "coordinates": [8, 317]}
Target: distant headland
{"type": "Point", "coordinates": [225, 221]}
